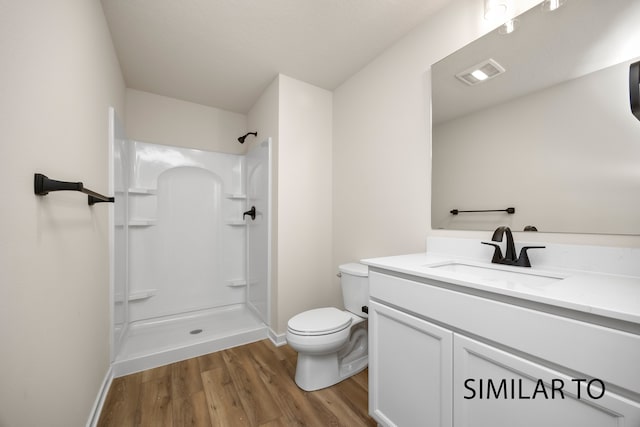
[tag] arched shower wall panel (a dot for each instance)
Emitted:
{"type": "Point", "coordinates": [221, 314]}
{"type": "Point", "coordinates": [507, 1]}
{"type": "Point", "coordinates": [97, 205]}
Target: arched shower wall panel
{"type": "Point", "coordinates": [186, 235]}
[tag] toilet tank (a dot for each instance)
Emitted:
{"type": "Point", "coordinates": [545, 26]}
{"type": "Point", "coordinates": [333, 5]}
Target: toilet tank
{"type": "Point", "coordinates": [354, 279]}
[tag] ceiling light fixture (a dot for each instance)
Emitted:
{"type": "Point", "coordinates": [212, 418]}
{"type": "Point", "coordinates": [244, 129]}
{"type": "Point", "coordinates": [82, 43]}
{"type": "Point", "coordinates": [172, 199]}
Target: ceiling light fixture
{"type": "Point", "coordinates": [494, 9]}
{"type": "Point", "coordinates": [481, 72]}
{"type": "Point", "coordinates": [551, 5]}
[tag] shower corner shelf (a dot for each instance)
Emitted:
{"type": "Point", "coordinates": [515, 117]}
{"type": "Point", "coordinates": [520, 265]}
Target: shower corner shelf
{"type": "Point", "coordinates": [235, 222]}
{"type": "Point", "coordinates": [143, 191]}
{"type": "Point", "coordinates": [142, 295]}
{"type": "Point", "coordinates": [235, 196]}
{"type": "Point", "coordinates": [142, 222]}
{"type": "Point", "coordinates": [236, 283]}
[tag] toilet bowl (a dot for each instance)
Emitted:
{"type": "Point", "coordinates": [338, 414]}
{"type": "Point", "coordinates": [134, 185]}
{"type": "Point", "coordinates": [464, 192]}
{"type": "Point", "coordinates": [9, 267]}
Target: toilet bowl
{"type": "Point", "coordinates": [332, 344]}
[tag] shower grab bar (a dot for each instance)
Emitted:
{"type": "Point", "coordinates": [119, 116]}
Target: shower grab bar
{"type": "Point", "coordinates": [508, 210]}
{"type": "Point", "coordinates": [43, 185]}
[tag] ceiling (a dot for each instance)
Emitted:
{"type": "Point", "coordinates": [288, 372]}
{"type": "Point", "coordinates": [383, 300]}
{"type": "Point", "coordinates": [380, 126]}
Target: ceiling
{"type": "Point", "coordinates": [224, 53]}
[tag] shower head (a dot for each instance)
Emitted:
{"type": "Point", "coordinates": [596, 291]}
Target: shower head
{"type": "Point", "coordinates": [241, 139]}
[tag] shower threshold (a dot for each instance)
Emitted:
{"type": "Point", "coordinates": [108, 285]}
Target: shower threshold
{"type": "Point", "coordinates": [156, 342]}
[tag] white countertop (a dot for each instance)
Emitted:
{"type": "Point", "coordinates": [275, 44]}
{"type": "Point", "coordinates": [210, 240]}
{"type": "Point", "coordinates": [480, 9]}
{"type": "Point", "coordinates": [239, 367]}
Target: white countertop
{"type": "Point", "coordinates": [609, 295]}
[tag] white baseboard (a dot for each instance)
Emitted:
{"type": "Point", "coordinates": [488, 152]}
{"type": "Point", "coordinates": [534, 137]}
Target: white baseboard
{"type": "Point", "coordinates": [277, 339]}
{"type": "Point", "coordinates": [94, 415]}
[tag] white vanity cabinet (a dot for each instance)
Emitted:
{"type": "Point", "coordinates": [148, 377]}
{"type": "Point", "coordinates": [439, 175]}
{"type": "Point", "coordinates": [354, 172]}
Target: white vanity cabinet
{"type": "Point", "coordinates": [404, 390]}
{"type": "Point", "coordinates": [503, 389]}
{"type": "Point", "coordinates": [439, 356]}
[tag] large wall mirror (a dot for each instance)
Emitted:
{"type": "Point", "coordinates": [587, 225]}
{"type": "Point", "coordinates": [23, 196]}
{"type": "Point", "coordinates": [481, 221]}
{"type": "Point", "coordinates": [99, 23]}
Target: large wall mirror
{"type": "Point", "coordinates": [552, 136]}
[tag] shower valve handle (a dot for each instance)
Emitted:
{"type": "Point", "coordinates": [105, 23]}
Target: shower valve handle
{"type": "Point", "coordinates": [251, 212]}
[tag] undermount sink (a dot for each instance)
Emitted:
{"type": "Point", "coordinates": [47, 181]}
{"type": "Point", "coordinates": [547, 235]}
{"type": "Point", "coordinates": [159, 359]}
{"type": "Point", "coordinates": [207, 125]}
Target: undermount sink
{"type": "Point", "coordinates": [494, 274]}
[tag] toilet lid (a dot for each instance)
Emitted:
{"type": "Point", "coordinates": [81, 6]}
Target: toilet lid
{"type": "Point", "coordinates": [320, 321]}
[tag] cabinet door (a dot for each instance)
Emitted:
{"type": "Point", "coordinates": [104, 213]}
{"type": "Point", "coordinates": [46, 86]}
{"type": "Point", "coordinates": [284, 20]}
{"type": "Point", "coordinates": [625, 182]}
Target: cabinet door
{"type": "Point", "coordinates": [496, 388]}
{"type": "Point", "coordinates": [410, 370]}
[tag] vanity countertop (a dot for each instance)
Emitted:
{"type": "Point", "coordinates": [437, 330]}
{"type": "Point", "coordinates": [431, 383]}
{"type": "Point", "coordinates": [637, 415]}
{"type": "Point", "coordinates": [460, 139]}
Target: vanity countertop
{"type": "Point", "coordinates": [608, 295]}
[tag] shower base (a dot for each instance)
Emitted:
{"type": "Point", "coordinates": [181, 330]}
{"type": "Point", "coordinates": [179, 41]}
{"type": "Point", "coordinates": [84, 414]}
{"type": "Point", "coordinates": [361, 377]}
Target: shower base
{"type": "Point", "coordinates": [152, 343]}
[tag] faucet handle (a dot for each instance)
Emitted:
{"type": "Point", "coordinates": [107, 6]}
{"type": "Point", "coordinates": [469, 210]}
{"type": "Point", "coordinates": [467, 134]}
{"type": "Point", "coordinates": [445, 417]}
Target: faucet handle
{"type": "Point", "coordinates": [523, 259]}
{"type": "Point", "coordinates": [251, 212]}
{"type": "Point", "coordinates": [497, 253]}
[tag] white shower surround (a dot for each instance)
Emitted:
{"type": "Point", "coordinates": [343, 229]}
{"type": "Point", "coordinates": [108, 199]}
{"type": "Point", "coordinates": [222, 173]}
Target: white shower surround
{"type": "Point", "coordinates": [182, 246]}
{"type": "Point", "coordinates": [187, 245]}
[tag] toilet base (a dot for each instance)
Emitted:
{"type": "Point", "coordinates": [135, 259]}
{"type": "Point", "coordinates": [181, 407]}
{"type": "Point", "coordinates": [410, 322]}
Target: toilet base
{"type": "Point", "coordinates": [317, 371]}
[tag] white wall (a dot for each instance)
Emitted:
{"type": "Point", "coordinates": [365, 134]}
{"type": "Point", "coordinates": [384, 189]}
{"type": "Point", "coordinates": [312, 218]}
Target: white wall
{"type": "Point", "coordinates": [58, 77]}
{"type": "Point", "coordinates": [304, 200]}
{"type": "Point", "coordinates": [381, 139]}
{"type": "Point", "coordinates": [298, 116]}
{"type": "Point", "coordinates": [163, 120]}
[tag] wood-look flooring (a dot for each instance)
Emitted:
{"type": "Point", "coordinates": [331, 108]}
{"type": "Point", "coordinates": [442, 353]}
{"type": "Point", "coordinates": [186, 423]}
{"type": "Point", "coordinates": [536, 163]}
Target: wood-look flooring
{"type": "Point", "coordinates": [250, 385]}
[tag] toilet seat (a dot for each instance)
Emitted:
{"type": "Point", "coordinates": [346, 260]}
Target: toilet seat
{"type": "Point", "coordinates": [320, 321]}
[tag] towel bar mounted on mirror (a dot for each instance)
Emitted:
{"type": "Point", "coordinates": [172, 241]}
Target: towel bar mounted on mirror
{"type": "Point", "coordinates": [43, 185]}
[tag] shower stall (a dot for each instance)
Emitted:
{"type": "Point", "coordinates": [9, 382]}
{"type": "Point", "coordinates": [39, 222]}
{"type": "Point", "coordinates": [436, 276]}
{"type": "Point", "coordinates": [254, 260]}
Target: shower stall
{"type": "Point", "coordinates": [191, 268]}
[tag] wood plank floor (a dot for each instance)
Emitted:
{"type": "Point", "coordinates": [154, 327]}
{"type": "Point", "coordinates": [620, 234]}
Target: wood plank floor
{"type": "Point", "coordinates": [250, 385]}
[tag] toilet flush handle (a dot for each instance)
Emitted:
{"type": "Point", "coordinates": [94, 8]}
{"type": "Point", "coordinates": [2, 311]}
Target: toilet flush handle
{"type": "Point", "coordinates": [339, 274]}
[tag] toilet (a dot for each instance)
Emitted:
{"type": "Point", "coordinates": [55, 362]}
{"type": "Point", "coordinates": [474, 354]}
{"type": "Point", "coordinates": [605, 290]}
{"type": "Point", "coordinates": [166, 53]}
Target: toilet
{"type": "Point", "coordinates": [332, 343]}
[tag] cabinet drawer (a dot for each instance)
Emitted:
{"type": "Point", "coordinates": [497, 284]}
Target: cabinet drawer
{"type": "Point", "coordinates": [595, 351]}
{"type": "Point", "coordinates": [492, 386]}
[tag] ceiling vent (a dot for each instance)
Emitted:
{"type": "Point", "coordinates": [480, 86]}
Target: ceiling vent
{"type": "Point", "coordinates": [486, 70]}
